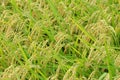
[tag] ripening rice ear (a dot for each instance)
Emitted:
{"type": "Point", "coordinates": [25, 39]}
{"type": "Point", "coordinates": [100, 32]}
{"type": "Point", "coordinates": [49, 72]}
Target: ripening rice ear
{"type": "Point", "coordinates": [117, 30]}
{"type": "Point", "coordinates": [3, 2]}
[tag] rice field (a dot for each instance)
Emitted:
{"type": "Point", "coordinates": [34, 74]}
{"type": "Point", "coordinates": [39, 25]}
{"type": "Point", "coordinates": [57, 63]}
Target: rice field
{"type": "Point", "coordinates": [59, 39]}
